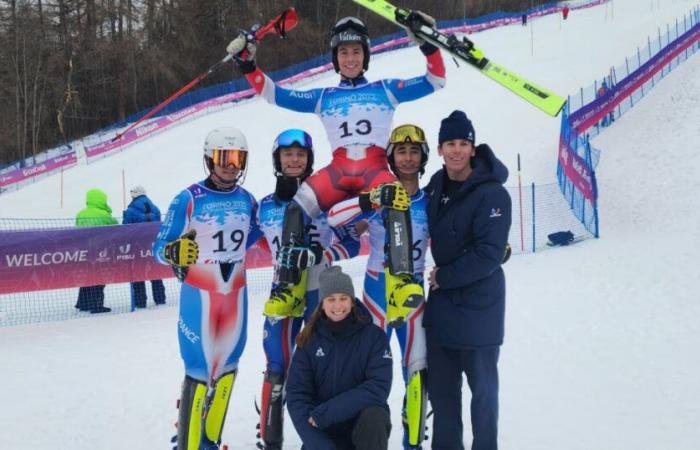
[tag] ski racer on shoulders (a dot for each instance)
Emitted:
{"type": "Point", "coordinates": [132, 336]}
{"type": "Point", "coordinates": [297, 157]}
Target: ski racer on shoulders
{"type": "Point", "coordinates": [357, 116]}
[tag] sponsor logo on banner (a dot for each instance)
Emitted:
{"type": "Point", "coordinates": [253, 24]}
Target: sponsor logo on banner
{"type": "Point", "coordinates": [147, 129]}
{"type": "Point", "coordinates": [33, 170]}
{"type": "Point", "coordinates": [125, 253]}
{"type": "Point", "coordinates": [103, 256]}
{"type": "Point", "coordinates": [180, 114]}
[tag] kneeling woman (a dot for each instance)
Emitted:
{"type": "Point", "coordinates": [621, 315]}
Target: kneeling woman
{"type": "Point", "coordinates": [340, 376]}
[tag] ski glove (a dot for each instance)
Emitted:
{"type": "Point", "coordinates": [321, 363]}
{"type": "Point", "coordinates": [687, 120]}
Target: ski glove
{"type": "Point", "coordinates": [243, 47]}
{"type": "Point", "coordinates": [291, 257]}
{"type": "Point", "coordinates": [390, 195]}
{"type": "Point", "coordinates": [419, 18]}
{"type": "Point", "coordinates": [182, 252]}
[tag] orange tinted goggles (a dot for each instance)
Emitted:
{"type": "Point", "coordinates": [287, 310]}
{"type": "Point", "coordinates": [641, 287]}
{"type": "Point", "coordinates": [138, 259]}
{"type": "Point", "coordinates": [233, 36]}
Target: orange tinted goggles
{"type": "Point", "coordinates": [227, 157]}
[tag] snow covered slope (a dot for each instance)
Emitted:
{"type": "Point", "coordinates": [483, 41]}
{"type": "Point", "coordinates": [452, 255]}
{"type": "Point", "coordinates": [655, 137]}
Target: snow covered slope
{"type": "Point", "coordinates": [600, 336]}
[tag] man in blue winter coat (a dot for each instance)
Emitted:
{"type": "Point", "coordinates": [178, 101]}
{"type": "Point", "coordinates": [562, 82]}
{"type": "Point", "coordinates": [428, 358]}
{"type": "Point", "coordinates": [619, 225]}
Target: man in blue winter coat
{"type": "Point", "coordinates": [469, 216]}
{"type": "Point", "coordinates": [142, 209]}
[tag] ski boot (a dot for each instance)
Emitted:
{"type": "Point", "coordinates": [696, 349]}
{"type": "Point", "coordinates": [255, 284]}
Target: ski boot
{"type": "Point", "coordinates": [287, 300]}
{"type": "Point", "coordinates": [404, 296]}
{"type": "Point", "coordinates": [415, 403]}
{"type": "Point", "coordinates": [271, 425]}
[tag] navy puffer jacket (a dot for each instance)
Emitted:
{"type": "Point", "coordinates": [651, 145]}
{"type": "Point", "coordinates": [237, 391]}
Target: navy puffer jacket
{"type": "Point", "coordinates": [333, 378]}
{"type": "Point", "coordinates": [469, 235]}
{"type": "Point", "coordinates": [141, 209]}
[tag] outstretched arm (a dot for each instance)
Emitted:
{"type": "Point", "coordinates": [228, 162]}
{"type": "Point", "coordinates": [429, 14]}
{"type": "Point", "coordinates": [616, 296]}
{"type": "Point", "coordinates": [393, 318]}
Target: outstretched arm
{"type": "Point", "coordinates": [412, 89]}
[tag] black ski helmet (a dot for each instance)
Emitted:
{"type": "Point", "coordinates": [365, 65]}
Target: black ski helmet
{"type": "Point", "coordinates": [289, 138]}
{"type": "Point", "coordinates": [349, 29]}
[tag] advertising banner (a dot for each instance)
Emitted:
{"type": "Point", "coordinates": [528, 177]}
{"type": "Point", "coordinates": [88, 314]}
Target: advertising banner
{"type": "Point", "coordinates": [590, 114]}
{"type": "Point", "coordinates": [17, 175]}
{"type": "Point", "coordinates": [577, 170]}
{"type": "Point", "coordinates": [37, 260]}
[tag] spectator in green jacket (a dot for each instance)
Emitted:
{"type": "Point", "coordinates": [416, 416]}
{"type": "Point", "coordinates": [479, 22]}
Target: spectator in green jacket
{"type": "Point", "coordinates": [96, 213]}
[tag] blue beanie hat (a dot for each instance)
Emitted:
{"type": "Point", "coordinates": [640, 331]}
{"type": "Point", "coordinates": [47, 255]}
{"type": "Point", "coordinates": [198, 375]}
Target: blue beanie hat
{"type": "Point", "coordinates": [456, 126]}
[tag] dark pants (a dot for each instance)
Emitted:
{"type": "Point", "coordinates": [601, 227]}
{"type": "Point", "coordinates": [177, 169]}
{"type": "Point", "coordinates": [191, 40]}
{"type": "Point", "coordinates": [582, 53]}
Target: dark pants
{"type": "Point", "coordinates": [91, 298]}
{"type": "Point", "coordinates": [370, 431]}
{"type": "Point", "coordinates": [139, 296]}
{"type": "Point", "coordinates": [445, 392]}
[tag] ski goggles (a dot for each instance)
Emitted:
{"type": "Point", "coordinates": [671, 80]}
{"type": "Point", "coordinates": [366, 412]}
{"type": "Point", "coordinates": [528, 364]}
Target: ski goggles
{"type": "Point", "coordinates": [350, 23]}
{"type": "Point", "coordinates": [407, 133]}
{"type": "Point", "coordinates": [288, 138]}
{"type": "Point", "coordinates": [229, 157]}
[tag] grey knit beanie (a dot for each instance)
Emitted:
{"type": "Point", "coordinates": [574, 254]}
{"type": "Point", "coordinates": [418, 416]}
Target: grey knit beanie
{"type": "Point", "coordinates": [333, 281]}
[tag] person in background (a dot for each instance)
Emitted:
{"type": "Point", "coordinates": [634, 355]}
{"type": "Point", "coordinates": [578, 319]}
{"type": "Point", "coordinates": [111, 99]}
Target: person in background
{"type": "Point", "coordinates": [96, 213]}
{"type": "Point", "coordinates": [340, 376]}
{"type": "Point", "coordinates": [469, 217]}
{"type": "Point", "coordinates": [565, 12]}
{"type": "Point", "coordinates": [142, 209]}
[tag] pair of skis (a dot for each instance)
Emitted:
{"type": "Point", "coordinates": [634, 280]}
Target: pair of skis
{"type": "Point", "coordinates": [466, 51]}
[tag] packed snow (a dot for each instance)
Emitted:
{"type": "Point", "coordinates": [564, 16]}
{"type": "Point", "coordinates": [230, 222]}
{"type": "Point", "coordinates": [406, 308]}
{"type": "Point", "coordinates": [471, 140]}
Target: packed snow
{"type": "Point", "coordinates": [599, 335]}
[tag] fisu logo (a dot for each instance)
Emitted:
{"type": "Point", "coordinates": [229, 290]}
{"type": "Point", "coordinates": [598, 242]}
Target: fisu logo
{"type": "Point", "coordinates": [124, 249]}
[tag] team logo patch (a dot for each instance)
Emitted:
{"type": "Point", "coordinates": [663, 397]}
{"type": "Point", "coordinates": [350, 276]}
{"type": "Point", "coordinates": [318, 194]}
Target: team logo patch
{"type": "Point", "coordinates": [495, 212]}
{"type": "Point", "coordinates": [319, 353]}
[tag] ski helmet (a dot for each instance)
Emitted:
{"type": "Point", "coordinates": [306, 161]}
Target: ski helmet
{"type": "Point", "coordinates": [226, 147]}
{"type": "Point", "coordinates": [346, 30]}
{"type": "Point", "coordinates": [412, 134]}
{"type": "Point", "coordinates": [289, 138]}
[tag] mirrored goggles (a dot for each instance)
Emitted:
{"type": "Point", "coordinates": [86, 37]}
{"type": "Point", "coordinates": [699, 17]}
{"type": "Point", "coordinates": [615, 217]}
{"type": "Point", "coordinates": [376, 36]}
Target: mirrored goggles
{"type": "Point", "coordinates": [407, 133]}
{"type": "Point", "coordinates": [350, 23]}
{"type": "Point", "coordinates": [229, 157]}
{"type": "Point", "coordinates": [290, 137]}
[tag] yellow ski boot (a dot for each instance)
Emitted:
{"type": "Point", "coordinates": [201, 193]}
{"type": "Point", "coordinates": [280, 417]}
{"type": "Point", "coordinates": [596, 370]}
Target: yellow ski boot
{"type": "Point", "coordinates": [287, 301]}
{"type": "Point", "coordinates": [403, 296]}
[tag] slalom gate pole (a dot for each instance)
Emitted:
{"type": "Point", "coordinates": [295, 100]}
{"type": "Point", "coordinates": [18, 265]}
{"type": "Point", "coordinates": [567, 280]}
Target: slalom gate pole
{"type": "Point", "coordinates": [520, 195]}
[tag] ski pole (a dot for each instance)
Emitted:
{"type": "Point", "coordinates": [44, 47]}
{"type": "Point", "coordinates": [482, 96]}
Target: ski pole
{"type": "Point", "coordinates": [279, 25]}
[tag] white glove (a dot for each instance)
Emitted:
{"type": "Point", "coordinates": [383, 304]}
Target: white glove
{"type": "Point", "coordinates": [423, 18]}
{"type": "Point", "coordinates": [242, 47]}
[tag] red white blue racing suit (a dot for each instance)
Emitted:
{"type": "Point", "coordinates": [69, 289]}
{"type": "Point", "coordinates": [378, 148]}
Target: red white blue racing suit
{"type": "Point", "coordinates": [411, 336]}
{"type": "Point", "coordinates": [279, 333]}
{"type": "Point", "coordinates": [213, 298]}
{"type": "Point", "coordinates": [357, 116]}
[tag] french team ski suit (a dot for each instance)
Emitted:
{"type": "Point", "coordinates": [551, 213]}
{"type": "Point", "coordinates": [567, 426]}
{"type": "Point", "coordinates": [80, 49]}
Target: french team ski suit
{"type": "Point", "coordinates": [213, 298]}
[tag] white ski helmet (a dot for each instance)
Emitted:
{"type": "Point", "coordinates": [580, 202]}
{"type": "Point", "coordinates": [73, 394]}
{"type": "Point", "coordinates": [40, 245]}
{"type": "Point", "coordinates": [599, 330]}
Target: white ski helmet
{"type": "Point", "coordinates": [226, 138]}
{"type": "Point", "coordinates": [225, 147]}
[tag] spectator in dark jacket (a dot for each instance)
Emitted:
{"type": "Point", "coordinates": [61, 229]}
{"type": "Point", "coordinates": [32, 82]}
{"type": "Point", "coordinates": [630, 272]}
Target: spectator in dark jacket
{"type": "Point", "coordinates": [469, 216]}
{"type": "Point", "coordinates": [340, 376]}
{"type": "Point", "coordinates": [142, 209]}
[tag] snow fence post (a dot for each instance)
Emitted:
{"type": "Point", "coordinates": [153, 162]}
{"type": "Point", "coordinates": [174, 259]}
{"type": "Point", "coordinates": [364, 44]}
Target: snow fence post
{"type": "Point", "coordinates": [533, 217]}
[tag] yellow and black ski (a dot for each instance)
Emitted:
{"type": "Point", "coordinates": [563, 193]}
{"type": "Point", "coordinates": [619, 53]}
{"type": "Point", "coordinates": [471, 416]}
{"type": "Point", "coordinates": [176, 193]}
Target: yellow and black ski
{"type": "Point", "coordinates": [465, 50]}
